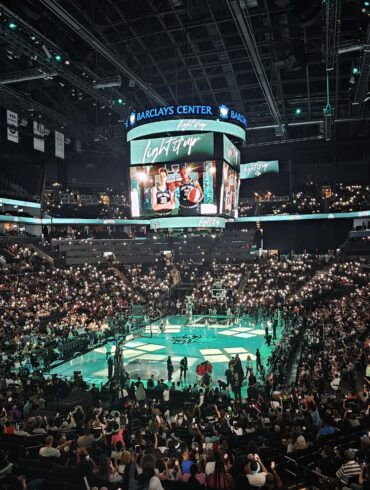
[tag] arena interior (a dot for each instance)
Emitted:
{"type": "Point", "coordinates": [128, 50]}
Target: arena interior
{"type": "Point", "coordinates": [184, 244]}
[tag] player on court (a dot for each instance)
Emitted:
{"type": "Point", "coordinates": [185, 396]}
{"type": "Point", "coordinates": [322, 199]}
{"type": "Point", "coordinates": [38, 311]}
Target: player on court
{"type": "Point", "coordinates": [188, 207]}
{"type": "Point", "coordinates": [163, 199]}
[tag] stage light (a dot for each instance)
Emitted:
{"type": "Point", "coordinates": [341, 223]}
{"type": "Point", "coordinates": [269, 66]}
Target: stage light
{"type": "Point", "coordinates": [120, 101]}
{"type": "Point", "coordinates": [298, 111]}
{"type": "Point", "coordinates": [355, 70]}
{"type": "Point", "coordinates": [132, 118]}
{"type": "Point", "coordinates": [57, 57]}
{"type": "Point", "coordinates": [224, 111]}
{"type": "Point", "coordinates": [12, 25]}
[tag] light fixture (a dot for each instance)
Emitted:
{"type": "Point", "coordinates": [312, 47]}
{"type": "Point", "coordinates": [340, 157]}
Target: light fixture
{"type": "Point", "coordinates": [12, 25]}
{"type": "Point", "coordinates": [46, 51]}
{"type": "Point", "coordinates": [132, 118]}
{"type": "Point", "coordinates": [58, 57]}
{"type": "Point", "coordinates": [298, 111]}
{"type": "Point", "coordinates": [224, 111]}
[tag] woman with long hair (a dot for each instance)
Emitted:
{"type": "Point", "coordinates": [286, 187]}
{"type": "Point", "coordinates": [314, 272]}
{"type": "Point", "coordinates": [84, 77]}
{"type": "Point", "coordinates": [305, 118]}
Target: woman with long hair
{"type": "Point", "coordinates": [147, 479]}
{"type": "Point", "coordinates": [220, 479]}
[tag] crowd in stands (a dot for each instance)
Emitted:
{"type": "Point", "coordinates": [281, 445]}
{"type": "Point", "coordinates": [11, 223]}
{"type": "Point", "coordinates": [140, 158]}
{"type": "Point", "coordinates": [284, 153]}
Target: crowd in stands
{"type": "Point", "coordinates": [87, 203]}
{"type": "Point", "coordinates": [331, 199]}
{"type": "Point", "coordinates": [156, 435]}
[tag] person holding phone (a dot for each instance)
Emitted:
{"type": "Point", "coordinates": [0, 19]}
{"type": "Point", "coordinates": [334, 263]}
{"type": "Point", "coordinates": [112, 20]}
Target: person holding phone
{"type": "Point", "coordinates": [257, 472]}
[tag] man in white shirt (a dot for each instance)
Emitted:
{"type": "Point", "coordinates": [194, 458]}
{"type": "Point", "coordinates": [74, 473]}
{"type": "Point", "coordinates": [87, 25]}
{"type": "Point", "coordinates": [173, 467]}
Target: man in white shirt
{"type": "Point", "coordinates": [48, 451]}
{"type": "Point", "coordinates": [258, 472]}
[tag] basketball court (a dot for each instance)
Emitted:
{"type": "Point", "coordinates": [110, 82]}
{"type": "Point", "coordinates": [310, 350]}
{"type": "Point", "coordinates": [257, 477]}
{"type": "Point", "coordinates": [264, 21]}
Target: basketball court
{"type": "Point", "coordinates": [207, 338]}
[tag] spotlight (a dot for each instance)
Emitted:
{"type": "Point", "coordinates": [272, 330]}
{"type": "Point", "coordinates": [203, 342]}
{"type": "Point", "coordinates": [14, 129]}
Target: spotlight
{"type": "Point", "coordinates": [132, 118]}
{"type": "Point", "coordinates": [224, 111]}
{"type": "Point", "coordinates": [12, 25]}
{"type": "Point", "coordinates": [355, 70]}
{"type": "Point", "coordinates": [298, 111]}
{"type": "Point", "coordinates": [57, 57]}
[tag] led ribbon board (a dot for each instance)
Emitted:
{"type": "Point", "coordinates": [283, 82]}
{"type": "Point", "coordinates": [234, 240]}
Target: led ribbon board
{"type": "Point", "coordinates": [183, 222]}
{"type": "Point", "coordinates": [231, 153]}
{"type": "Point", "coordinates": [183, 147]}
{"type": "Point", "coordinates": [186, 125]}
{"type": "Point", "coordinates": [302, 217]}
{"type": "Point", "coordinates": [16, 202]}
{"type": "Point", "coordinates": [187, 222]}
{"type": "Point", "coordinates": [256, 169]}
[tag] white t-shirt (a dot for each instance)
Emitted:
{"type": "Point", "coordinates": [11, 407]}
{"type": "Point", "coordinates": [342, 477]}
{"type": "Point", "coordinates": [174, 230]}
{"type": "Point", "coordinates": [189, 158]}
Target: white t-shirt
{"type": "Point", "coordinates": [49, 452]}
{"type": "Point", "coordinates": [258, 479]}
{"type": "Point", "coordinates": [155, 483]}
{"type": "Point", "coordinates": [210, 468]}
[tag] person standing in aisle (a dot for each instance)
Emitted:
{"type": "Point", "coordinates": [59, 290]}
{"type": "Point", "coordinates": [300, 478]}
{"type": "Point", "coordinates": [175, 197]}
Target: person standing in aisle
{"type": "Point", "coordinates": [258, 359]}
{"type": "Point", "coordinates": [170, 368]}
{"type": "Point", "coordinates": [183, 368]}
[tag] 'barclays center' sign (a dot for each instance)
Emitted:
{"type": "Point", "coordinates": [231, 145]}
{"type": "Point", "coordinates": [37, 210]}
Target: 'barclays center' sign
{"type": "Point", "coordinates": [172, 148]}
{"type": "Point", "coordinates": [222, 112]}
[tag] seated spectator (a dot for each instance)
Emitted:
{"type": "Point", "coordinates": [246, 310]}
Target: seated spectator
{"type": "Point", "coordinates": [86, 440]}
{"type": "Point", "coordinates": [349, 469]}
{"type": "Point", "coordinates": [48, 451]}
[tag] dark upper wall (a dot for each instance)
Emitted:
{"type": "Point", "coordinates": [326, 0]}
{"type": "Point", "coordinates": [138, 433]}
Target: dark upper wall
{"type": "Point", "coordinates": [299, 236]}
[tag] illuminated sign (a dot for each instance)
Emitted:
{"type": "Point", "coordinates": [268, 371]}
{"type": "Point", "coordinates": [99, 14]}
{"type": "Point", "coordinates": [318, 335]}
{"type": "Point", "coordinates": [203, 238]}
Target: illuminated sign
{"type": "Point", "coordinates": [188, 222]}
{"type": "Point", "coordinates": [186, 125]}
{"type": "Point", "coordinates": [256, 169]}
{"type": "Point", "coordinates": [302, 217]}
{"type": "Point", "coordinates": [168, 112]}
{"type": "Point", "coordinates": [172, 148]}
{"type": "Point", "coordinates": [16, 202]}
{"type": "Point", "coordinates": [183, 222]}
{"type": "Point", "coordinates": [231, 153]}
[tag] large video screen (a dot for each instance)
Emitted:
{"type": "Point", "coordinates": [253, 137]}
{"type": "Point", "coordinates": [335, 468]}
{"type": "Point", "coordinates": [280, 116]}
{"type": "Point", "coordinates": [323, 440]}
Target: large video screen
{"type": "Point", "coordinates": [173, 189]}
{"type": "Point", "coordinates": [229, 199]}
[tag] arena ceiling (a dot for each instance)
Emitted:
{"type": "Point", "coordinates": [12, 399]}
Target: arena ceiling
{"type": "Point", "coordinates": [297, 69]}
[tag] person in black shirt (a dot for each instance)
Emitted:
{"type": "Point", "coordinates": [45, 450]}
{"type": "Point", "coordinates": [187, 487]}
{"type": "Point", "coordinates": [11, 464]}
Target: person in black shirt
{"type": "Point", "coordinates": [170, 368]}
{"type": "Point", "coordinates": [187, 184]}
{"type": "Point", "coordinates": [183, 368]}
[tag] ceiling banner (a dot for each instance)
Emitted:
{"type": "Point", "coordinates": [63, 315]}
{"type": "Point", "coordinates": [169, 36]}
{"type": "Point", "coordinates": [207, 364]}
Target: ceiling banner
{"type": "Point", "coordinates": [12, 125]}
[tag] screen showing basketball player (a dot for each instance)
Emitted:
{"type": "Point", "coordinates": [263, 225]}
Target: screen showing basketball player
{"type": "Point", "coordinates": [229, 199]}
{"type": "Point", "coordinates": [163, 196]}
{"type": "Point", "coordinates": [191, 193]}
{"type": "Point", "coordinates": [173, 189]}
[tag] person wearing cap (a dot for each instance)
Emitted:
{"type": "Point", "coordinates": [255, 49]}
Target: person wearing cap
{"type": "Point", "coordinates": [349, 469]}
